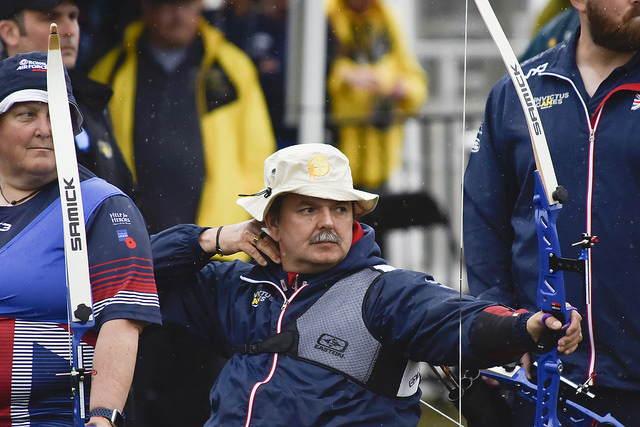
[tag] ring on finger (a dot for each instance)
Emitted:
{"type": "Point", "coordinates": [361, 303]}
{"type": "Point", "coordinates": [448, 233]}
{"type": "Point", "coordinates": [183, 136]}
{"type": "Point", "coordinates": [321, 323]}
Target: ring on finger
{"type": "Point", "coordinates": [256, 239]}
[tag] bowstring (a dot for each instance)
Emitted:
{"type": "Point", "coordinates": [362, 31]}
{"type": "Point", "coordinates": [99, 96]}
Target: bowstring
{"type": "Point", "coordinates": [461, 220]}
{"type": "Point", "coordinates": [461, 224]}
{"type": "Point", "coordinates": [439, 412]}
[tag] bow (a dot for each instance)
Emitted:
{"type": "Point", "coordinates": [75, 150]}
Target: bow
{"type": "Point", "coordinates": [548, 199]}
{"type": "Point", "coordinates": [80, 303]}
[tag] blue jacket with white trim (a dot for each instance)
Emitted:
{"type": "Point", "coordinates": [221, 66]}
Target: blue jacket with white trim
{"type": "Point", "coordinates": [501, 249]}
{"type": "Point", "coordinates": [228, 304]}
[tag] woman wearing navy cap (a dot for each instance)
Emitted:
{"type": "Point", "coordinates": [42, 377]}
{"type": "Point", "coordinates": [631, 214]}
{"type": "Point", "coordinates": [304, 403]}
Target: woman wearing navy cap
{"type": "Point", "coordinates": [34, 337]}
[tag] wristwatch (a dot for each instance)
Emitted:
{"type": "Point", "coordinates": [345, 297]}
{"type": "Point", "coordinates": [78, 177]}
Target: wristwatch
{"type": "Point", "coordinates": [113, 415]}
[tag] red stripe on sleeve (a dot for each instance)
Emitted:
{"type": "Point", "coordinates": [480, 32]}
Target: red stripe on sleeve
{"type": "Point", "coordinates": [500, 310]}
{"type": "Point", "coordinates": [7, 328]}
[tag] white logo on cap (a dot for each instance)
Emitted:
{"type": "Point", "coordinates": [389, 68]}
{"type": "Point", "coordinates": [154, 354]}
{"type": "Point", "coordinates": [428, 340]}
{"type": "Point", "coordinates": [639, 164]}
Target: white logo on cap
{"type": "Point", "coordinates": [27, 64]}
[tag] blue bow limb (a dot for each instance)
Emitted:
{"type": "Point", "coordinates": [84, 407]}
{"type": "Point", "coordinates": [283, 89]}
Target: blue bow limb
{"type": "Point", "coordinates": [551, 299]}
{"type": "Point", "coordinates": [572, 413]}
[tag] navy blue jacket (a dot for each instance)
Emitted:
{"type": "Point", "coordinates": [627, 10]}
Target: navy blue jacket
{"type": "Point", "coordinates": [500, 243]}
{"type": "Point", "coordinates": [229, 304]}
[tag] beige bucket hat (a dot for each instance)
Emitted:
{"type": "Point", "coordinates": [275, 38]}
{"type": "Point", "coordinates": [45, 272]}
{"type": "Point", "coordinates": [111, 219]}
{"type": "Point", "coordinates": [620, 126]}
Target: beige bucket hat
{"type": "Point", "coordinates": [316, 170]}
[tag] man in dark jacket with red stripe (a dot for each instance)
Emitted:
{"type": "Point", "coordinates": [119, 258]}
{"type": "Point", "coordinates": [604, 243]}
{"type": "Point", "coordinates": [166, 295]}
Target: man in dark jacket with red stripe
{"type": "Point", "coordinates": [322, 331]}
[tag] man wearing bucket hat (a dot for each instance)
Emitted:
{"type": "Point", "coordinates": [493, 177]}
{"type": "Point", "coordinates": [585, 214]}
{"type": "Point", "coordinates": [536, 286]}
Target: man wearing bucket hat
{"type": "Point", "coordinates": [35, 386]}
{"type": "Point", "coordinates": [322, 331]}
{"type": "Point", "coordinates": [24, 27]}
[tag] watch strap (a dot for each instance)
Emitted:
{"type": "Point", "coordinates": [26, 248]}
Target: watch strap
{"type": "Point", "coordinates": [114, 416]}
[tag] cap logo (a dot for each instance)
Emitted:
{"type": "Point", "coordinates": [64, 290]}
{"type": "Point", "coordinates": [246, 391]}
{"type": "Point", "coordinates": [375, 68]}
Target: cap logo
{"type": "Point", "coordinates": [27, 64]}
{"type": "Point", "coordinates": [318, 166]}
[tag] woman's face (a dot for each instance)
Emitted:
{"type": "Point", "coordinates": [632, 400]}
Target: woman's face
{"type": "Point", "coordinates": [26, 145]}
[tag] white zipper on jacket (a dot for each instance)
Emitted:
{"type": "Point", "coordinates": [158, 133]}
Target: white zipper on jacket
{"type": "Point", "coordinates": [274, 360]}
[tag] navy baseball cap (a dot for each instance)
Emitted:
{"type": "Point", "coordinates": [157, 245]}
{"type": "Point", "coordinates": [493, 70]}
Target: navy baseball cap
{"type": "Point", "coordinates": [8, 8]}
{"type": "Point", "coordinates": [23, 78]}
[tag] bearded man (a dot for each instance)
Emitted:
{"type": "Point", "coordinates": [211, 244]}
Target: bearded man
{"type": "Point", "coordinates": [587, 89]}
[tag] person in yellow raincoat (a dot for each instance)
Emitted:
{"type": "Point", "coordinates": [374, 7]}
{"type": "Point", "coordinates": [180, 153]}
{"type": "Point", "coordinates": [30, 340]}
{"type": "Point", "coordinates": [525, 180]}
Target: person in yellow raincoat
{"type": "Point", "coordinates": [374, 83]}
{"type": "Point", "coordinates": [190, 118]}
{"type": "Point", "coordinates": [193, 134]}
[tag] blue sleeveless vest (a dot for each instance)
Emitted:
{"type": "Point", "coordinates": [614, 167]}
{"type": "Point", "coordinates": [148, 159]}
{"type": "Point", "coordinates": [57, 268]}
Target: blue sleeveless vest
{"type": "Point", "coordinates": [332, 333]}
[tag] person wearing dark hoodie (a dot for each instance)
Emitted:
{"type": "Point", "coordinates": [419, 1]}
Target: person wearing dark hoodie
{"type": "Point", "coordinates": [24, 27]}
{"type": "Point", "coordinates": [320, 330]}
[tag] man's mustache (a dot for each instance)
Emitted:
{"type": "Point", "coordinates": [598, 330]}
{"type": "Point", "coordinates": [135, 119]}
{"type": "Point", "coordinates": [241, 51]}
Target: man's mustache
{"type": "Point", "coordinates": [325, 236]}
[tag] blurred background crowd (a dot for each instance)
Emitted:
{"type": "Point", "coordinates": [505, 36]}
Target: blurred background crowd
{"type": "Point", "coordinates": [382, 80]}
